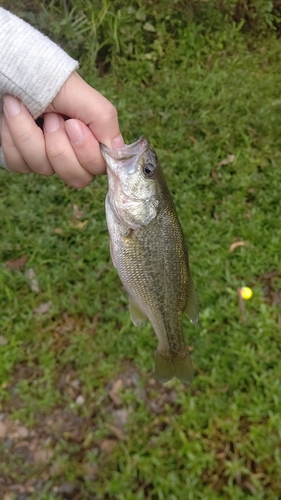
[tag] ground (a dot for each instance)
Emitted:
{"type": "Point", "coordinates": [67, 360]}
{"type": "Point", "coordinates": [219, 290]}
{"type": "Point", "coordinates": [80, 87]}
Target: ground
{"type": "Point", "coordinates": [81, 415]}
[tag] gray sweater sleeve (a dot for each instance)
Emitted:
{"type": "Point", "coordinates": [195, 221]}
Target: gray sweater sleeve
{"type": "Point", "coordinates": [32, 67]}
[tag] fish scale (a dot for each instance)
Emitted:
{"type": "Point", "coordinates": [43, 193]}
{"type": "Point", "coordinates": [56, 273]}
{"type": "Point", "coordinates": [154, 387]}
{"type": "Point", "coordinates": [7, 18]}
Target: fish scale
{"type": "Point", "coordinates": [150, 254]}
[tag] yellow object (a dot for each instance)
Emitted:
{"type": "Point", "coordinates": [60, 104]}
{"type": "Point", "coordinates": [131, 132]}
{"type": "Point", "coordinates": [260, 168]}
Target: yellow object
{"type": "Point", "coordinates": [246, 292]}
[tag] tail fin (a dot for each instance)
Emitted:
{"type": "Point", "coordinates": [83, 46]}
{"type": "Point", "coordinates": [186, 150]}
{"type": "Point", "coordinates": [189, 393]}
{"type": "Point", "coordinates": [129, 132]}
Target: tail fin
{"type": "Point", "coordinates": [167, 368]}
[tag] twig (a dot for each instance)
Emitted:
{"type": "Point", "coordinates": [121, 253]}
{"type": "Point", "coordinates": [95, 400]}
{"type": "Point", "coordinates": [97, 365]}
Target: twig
{"type": "Point", "coordinates": [241, 306]}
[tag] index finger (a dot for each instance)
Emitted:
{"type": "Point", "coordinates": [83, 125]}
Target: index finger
{"type": "Point", "coordinates": [77, 99]}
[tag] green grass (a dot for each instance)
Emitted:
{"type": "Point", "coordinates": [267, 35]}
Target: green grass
{"type": "Point", "coordinates": [200, 91]}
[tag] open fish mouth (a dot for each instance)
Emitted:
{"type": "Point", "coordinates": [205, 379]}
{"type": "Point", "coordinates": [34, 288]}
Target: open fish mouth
{"type": "Point", "coordinates": [127, 152]}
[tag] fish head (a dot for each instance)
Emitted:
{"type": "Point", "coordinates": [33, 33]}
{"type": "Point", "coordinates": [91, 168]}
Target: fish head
{"type": "Point", "coordinates": [133, 186]}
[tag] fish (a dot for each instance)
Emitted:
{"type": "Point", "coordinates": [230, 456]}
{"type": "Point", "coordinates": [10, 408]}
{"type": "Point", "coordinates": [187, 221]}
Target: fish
{"type": "Point", "coordinates": [149, 251]}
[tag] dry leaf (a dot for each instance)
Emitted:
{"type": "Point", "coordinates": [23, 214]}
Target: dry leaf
{"type": "Point", "coordinates": [9, 496]}
{"type": "Point", "coordinates": [3, 340]}
{"type": "Point", "coordinates": [113, 393]}
{"type": "Point", "coordinates": [192, 138]}
{"type": "Point", "coordinates": [3, 430]}
{"type": "Point", "coordinates": [250, 487]}
{"type": "Point", "coordinates": [21, 444]}
{"type": "Point", "coordinates": [236, 244]}
{"type": "Point", "coordinates": [58, 230]}
{"type": "Point", "coordinates": [80, 400]}
{"type": "Point", "coordinates": [215, 177]}
{"type": "Point", "coordinates": [80, 224]}
{"type": "Point", "coordinates": [17, 264]}
{"type": "Point", "coordinates": [116, 431]}
{"type": "Point", "coordinates": [78, 214]}
{"type": "Point", "coordinates": [42, 309]}
{"type": "Point", "coordinates": [91, 470]}
{"type": "Point", "coordinates": [32, 278]}
{"type": "Point", "coordinates": [42, 455]}
{"type": "Point", "coordinates": [108, 445]}
{"type": "Point", "coordinates": [23, 432]}
{"type": "Point", "coordinates": [149, 27]}
{"type": "Point", "coordinates": [227, 160]}
{"type": "Point", "coordinates": [33, 444]}
{"type": "Point", "coordinates": [120, 417]}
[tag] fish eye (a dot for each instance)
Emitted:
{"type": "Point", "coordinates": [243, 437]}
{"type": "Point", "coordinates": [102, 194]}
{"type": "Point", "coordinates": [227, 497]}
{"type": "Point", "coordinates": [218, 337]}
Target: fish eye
{"type": "Point", "coordinates": [149, 169]}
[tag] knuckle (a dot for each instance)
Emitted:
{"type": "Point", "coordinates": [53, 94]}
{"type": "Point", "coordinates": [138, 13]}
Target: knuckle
{"type": "Point", "coordinates": [14, 160]}
{"type": "Point", "coordinates": [19, 168]}
{"type": "Point", "coordinates": [23, 136]}
{"type": "Point", "coordinates": [90, 163]}
{"type": "Point", "coordinates": [46, 172]}
{"type": "Point", "coordinates": [8, 149]}
{"type": "Point", "coordinates": [56, 152]}
{"type": "Point", "coordinates": [78, 183]}
{"type": "Point", "coordinates": [110, 112]}
{"type": "Point", "coordinates": [49, 173]}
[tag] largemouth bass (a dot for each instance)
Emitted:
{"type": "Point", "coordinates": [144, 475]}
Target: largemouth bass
{"type": "Point", "coordinates": [149, 252]}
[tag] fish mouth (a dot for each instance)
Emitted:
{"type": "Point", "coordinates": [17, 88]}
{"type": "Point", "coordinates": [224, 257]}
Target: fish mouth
{"type": "Point", "coordinates": [127, 152]}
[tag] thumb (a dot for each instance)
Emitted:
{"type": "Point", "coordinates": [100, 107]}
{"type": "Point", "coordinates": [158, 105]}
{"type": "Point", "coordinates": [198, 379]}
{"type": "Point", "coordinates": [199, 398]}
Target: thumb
{"type": "Point", "coordinates": [77, 99]}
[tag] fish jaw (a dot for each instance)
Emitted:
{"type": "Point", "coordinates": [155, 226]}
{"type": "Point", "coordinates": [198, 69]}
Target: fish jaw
{"type": "Point", "coordinates": [123, 162]}
{"type": "Point", "coordinates": [132, 197]}
{"type": "Point", "coordinates": [112, 156]}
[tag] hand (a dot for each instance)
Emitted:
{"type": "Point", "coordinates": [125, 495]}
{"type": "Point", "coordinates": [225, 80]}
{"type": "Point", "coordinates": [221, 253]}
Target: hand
{"type": "Point", "coordinates": [68, 148]}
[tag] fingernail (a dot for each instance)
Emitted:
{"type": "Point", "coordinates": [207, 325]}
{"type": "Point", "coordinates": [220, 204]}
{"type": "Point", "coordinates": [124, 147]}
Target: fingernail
{"type": "Point", "coordinates": [51, 122]}
{"type": "Point", "coordinates": [118, 142]}
{"type": "Point", "coordinates": [12, 106]}
{"type": "Point", "coordinates": [74, 131]}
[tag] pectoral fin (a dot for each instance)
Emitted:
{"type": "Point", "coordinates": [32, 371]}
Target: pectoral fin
{"type": "Point", "coordinates": [137, 315]}
{"type": "Point", "coordinates": [191, 308]}
{"type": "Point", "coordinates": [112, 252]}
